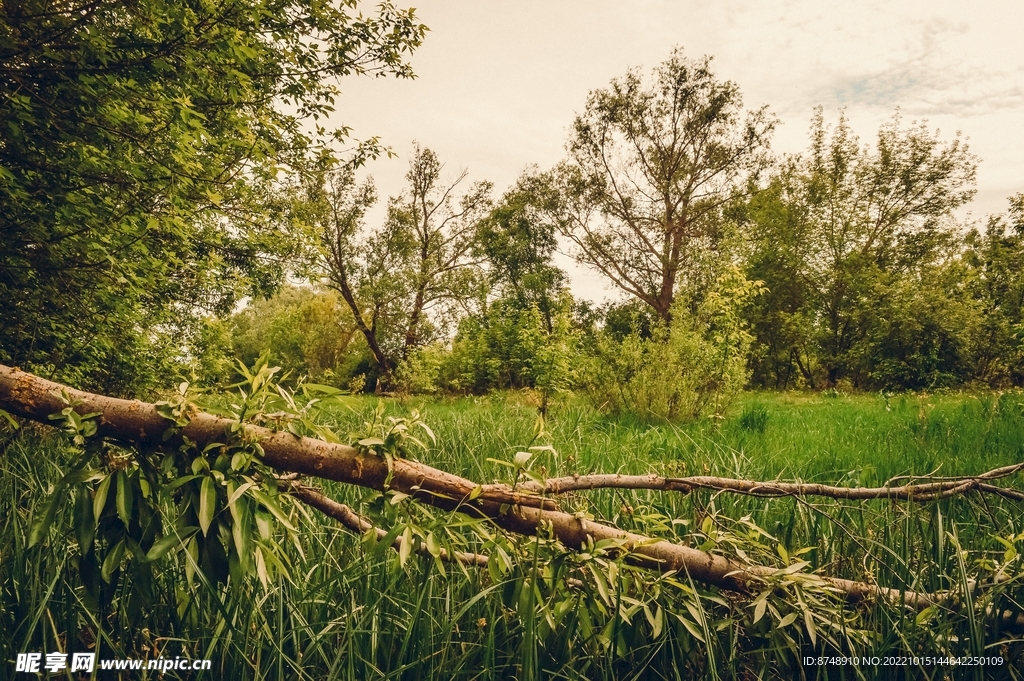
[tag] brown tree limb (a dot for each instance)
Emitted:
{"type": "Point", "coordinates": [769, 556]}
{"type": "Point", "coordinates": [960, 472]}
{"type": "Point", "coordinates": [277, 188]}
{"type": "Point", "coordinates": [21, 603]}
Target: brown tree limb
{"type": "Point", "coordinates": [928, 491]}
{"type": "Point", "coordinates": [140, 424]}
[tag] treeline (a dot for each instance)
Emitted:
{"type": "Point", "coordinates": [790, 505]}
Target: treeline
{"type": "Point", "coordinates": [843, 266]}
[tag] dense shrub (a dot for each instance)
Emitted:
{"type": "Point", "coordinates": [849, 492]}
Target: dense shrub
{"type": "Point", "coordinates": [690, 368]}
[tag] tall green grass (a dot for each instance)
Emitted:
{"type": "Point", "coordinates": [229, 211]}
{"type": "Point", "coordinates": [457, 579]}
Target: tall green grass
{"type": "Point", "coordinates": [352, 612]}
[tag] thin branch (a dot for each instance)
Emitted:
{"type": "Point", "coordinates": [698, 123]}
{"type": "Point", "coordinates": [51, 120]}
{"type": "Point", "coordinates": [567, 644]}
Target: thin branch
{"type": "Point", "coordinates": [929, 491]}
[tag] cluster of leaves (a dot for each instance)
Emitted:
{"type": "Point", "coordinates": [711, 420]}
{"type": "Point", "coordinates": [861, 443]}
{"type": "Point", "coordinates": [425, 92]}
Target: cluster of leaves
{"type": "Point", "coordinates": [692, 367]}
{"type": "Point", "coordinates": [217, 510]}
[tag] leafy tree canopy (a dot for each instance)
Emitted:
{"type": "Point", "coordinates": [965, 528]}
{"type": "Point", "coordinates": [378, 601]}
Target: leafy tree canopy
{"type": "Point", "coordinates": [135, 139]}
{"type": "Point", "coordinates": [651, 164]}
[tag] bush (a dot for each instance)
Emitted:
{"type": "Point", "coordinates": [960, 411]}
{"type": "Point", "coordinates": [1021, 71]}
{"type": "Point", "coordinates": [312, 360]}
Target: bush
{"type": "Point", "coordinates": [690, 368]}
{"type": "Point", "coordinates": [307, 332]}
{"type": "Point", "coordinates": [420, 372]}
{"type": "Point", "coordinates": [514, 346]}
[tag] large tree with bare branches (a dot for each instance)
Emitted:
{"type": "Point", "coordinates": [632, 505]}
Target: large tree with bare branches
{"type": "Point", "coordinates": [651, 163]}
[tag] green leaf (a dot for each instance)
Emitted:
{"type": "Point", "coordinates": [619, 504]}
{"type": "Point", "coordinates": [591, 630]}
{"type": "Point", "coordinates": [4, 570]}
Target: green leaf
{"type": "Point", "coordinates": [162, 546]}
{"type": "Point", "coordinates": [178, 482]}
{"type": "Point", "coordinates": [10, 419]}
{"type": "Point", "coordinates": [812, 631]}
{"type": "Point", "coordinates": [599, 582]}
{"type": "Point", "coordinates": [429, 433]}
{"type": "Point", "coordinates": [691, 627]}
{"type": "Point", "coordinates": [787, 620]}
{"type": "Point", "coordinates": [759, 607]}
{"type": "Point", "coordinates": [925, 615]}
{"type": "Point", "coordinates": [84, 521]}
{"type": "Point", "coordinates": [42, 524]}
{"type": "Point", "coordinates": [317, 388]}
{"type": "Point", "coordinates": [272, 506]}
{"type": "Point", "coordinates": [233, 494]}
{"type": "Point", "coordinates": [99, 501]}
{"type": "Point", "coordinates": [124, 497]}
{"type": "Point", "coordinates": [261, 568]}
{"type": "Point", "coordinates": [241, 516]}
{"type": "Point", "coordinates": [207, 504]}
{"type": "Point", "coordinates": [433, 547]}
{"type": "Point", "coordinates": [112, 561]}
{"type": "Point", "coordinates": [406, 547]}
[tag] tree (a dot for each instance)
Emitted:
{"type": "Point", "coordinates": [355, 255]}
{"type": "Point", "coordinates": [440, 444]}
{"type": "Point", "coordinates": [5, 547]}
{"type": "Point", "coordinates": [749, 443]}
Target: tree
{"type": "Point", "coordinates": [776, 223]}
{"type": "Point", "coordinates": [132, 141]}
{"type": "Point", "coordinates": [518, 242]}
{"type": "Point", "coordinates": [413, 272]}
{"type": "Point", "coordinates": [443, 231]}
{"type": "Point", "coordinates": [843, 230]}
{"type": "Point", "coordinates": [996, 258]}
{"type": "Point", "coordinates": [651, 165]}
{"type": "Point", "coordinates": [308, 332]}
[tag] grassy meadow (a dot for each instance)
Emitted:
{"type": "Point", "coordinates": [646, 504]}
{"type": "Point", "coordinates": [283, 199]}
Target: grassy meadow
{"type": "Point", "coordinates": [352, 611]}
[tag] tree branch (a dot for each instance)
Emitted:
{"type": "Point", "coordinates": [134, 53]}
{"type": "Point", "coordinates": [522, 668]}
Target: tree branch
{"type": "Point", "coordinates": [356, 523]}
{"type": "Point", "coordinates": [928, 491]}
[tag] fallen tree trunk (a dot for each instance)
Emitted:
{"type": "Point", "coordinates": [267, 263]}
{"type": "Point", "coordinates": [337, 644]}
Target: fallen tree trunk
{"type": "Point", "coordinates": [140, 424]}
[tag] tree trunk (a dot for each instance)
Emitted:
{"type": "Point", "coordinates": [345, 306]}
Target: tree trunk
{"type": "Point", "coordinates": [383, 364]}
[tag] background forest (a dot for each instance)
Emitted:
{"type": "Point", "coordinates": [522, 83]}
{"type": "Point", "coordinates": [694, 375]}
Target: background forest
{"type": "Point", "coordinates": [177, 212]}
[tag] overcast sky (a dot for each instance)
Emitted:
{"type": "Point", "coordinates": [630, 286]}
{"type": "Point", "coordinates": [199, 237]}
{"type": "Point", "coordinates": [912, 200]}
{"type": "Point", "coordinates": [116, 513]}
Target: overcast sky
{"type": "Point", "coordinates": [499, 82]}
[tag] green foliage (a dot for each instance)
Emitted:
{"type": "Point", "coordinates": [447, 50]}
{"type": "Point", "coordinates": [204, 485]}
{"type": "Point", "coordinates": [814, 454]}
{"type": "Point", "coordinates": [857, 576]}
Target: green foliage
{"type": "Point", "coordinates": [693, 367]}
{"type": "Point", "coordinates": [420, 373]}
{"type": "Point", "coordinates": [923, 331]}
{"type": "Point", "coordinates": [997, 261]}
{"type": "Point", "coordinates": [310, 332]}
{"type": "Point", "coordinates": [137, 144]}
{"type": "Point", "coordinates": [859, 252]}
{"type": "Point", "coordinates": [514, 346]}
{"type": "Point", "coordinates": [518, 240]}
